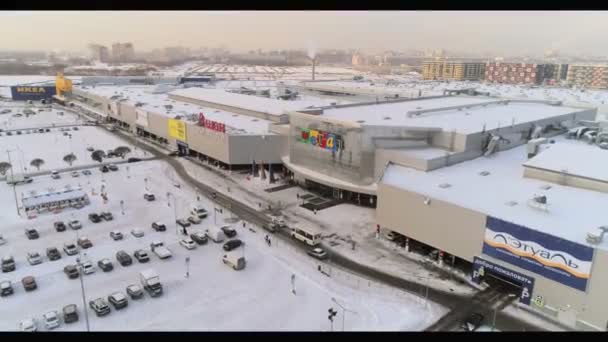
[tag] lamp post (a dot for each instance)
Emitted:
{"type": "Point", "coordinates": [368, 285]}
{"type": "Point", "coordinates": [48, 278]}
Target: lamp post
{"type": "Point", "coordinates": [332, 314]}
{"type": "Point", "coordinates": [8, 152]}
{"type": "Point", "coordinates": [170, 194]}
{"type": "Point", "coordinates": [81, 276]}
{"type": "Point", "coordinates": [344, 311]}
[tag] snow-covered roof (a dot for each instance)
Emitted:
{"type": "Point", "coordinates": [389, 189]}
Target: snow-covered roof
{"type": "Point", "coordinates": [573, 159]}
{"type": "Point", "coordinates": [155, 103]}
{"type": "Point", "coordinates": [572, 212]}
{"type": "Point", "coordinates": [249, 102]}
{"type": "Point", "coordinates": [61, 195]}
{"type": "Point", "coordinates": [471, 120]}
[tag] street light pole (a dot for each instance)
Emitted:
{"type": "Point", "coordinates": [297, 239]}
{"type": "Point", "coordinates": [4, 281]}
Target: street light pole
{"type": "Point", "coordinates": [174, 210]}
{"type": "Point", "coordinates": [344, 311]}
{"type": "Point", "coordinates": [81, 276]}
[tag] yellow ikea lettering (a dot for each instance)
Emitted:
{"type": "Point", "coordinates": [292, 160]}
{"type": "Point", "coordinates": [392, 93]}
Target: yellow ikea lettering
{"type": "Point", "coordinates": [30, 90]}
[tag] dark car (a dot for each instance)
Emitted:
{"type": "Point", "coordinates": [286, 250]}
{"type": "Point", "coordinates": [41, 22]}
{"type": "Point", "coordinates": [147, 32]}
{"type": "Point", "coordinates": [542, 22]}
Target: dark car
{"type": "Point", "coordinates": [94, 218]}
{"type": "Point", "coordinates": [84, 242]}
{"type": "Point", "coordinates": [141, 256]}
{"type": "Point", "coordinates": [47, 129]}
{"type": "Point", "coordinates": [59, 226]}
{"type": "Point", "coordinates": [199, 237]}
{"type": "Point", "coordinates": [100, 307]}
{"type": "Point", "coordinates": [31, 233]}
{"type": "Point", "coordinates": [472, 322]}
{"type": "Point", "coordinates": [232, 244]}
{"type": "Point", "coordinates": [105, 265]}
{"type": "Point", "coordinates": [123, 258]}
{"type": "Point", "coordinates": [29, 283]}
{"type": "Point", "coordinates": [118, 300]}
{"type": "Point", "coordinates": [70, 313]}
{"type": "Point", "coordinates": [149, 197]}
{"type": "Point", "coordinates": [106, 215]}
{"type": "Point", "coordinates": [159, 227]}
{"type": "Point", "coordinates": [8, 264]}
{"type": "Point", "coordinates": [229, 231]}
{"type": "Point", "coordinates": [113, 167]}
{"type": "Point", "coordinates": [71, 271]}
{"type": "Point", "coordinates": [183, 223]}
{"type": "Point", "coordinates": [318, 253]}
{"type": "Point", "coordinates": [133, 160]}
{"type": "Point", "coordinates": [104, 169]}
{"type": "Point", "coordinates": [53, 253]}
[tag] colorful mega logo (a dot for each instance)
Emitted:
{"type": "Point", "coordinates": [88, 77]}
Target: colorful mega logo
{"type": "Point", "coordinates": [325, 140]}
{"type": "Point", "coordinates": [555, 258]}
{"type": "Point", "coordinates": [36, 90]}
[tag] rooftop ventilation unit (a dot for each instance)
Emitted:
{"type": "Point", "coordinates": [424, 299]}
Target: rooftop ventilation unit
{"type": "Point", "coordinates": [492, 145]}
{"type": "Point", "coordinates": [533, 146]}
{"type": "Point", "coordinates": [511, 203]}
{"type": "Point", "coordinates": [597, 236]}
{"type": "Point", "coordinates": [538, 202]}
{"type": "Point", "coordinates": [484, 173]}
{"type": "Point", "coordinates": [386, 118]}
{"type": "Point", "coordinates": [445, 185]}
{"type": "Point", "coordinates": [360, 121]}
{"type": "Point", "coordinates": [546, 187]}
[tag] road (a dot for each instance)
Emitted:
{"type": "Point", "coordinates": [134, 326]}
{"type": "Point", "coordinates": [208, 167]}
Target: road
{"type": "Point", "coordinates": [452, 301]}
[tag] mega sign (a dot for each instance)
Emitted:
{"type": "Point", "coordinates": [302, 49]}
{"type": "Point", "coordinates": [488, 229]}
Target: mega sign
{"type": "Point", "coordinates": [481, 267]}
{"type": "Point", "coordinates": [564, 261]}
{"type": "Point", "coordinates": [325, 140]}
{"type": "Point", "coordinates": [210, 124]}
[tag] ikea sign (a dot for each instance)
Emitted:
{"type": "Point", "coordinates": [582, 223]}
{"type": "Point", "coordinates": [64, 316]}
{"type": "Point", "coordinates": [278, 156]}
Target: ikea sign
{"type": "Point", "coordinates": [34, 93]}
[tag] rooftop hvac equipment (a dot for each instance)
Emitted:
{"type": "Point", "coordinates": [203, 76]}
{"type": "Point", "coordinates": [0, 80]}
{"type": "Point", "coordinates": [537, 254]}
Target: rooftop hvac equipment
{"type": "Point", "coordinates": [597, 236]}
{"type": "Point", "coordinates": [445, 185]}
{"type": "Point", "coordinates": [536, 132]}
{"type": "Point", "coordinates": [534, 146]}
{"type": "Point", "coordinates": [538, 202]}
{"type": "Point", "coordinates": [492, 145]}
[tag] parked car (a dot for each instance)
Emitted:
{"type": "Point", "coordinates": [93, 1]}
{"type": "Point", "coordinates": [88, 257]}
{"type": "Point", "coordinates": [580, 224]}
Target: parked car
{"type": "Point", "coordinates": [318, 253]}
{"type": "Point", "coordinates": [116, 235]}
{"type": "Point", "coordinates": [199, 237]}
{"type": "Point", "coordinates": [51, 320]}
{"type": "Point", "coordinates": [29, 283]}
{"type": "Point", "coordinates": [34, 258]}
{"type": "Point", "coordinates": [123, 258]}
{"type": "Point", "coordinates": [59, 226]}
{"type": "Point", "coordinates": [104, 169]}
{"type": "Point", "coordinates": [187, 243]}
{"type": "Point", "coordinates": [70, 313]}
{"type": "Point", "coordinates": [232, 244]}
{"type": "Point", "coordinates": [159, 226]}
{"type": "Point", "coordinates": [70, 249]}
{"type": "Point", "coordinates": [270, 227]}
{"type": "Point", "coordinates": [149, 197]}
{"type": "Point", "coordinates": [71, 271]}
{"type": "Point", "coordinates": [135, 291]}
{"type": "Point", "coordinates": [93, 217]}
{"type": "Point", "coordinates": [133, 160]}
{"type": "Point", "coordinates": [75, 128]}
{"type": "Point", "coordinates": [6, 288]}
{"type": "Point", "coordinates": [8, 264]}
{"type": "Point", "coordinates": [88, 267]}
{"type": "Point", "coordinates": [183, 223]}
{"type": "Point", "coordinates": [28, 325]}
{"type": "Point", "coordinates": [105, 264]}
{"type": "Point", "coordinates": [141, 256]}
{"type": "Point", "coordinates": [84, 242]}
{"type": "Point", "coordinates": [229, 231]}
{"type": "Point", "coordinates": [86, 172]}
{"type": "Point", "coordinates": [472, 322]}
{"type": "Point", "coordinates": [113, 167]}
{"type": "Point", "coordinates": [31, 233]}
{"type": "Point", "coordinates": [90, 149]}
{"type": "Point", "coordinates": [137, 232]}
{"type": "Point", "coordinates": [194, 220]}
{"type": "Point", "coordinates": [118, 300]}
{"type": "Point", "coordinates": [75, 224]}
{"type": "Point", "coordinates": [75, 174]}
{"type": "Point", "coordinates": [100, 307]}
{"type": "Point", "coordinates": [53, 253]}
{"type": "Point", "coordinates": [55, 175]}
{"type": "Point", "coordinates": [106, 215]}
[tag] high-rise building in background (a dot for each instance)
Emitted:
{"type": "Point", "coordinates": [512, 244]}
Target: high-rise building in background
{"type": "Point", "coordinates": [99, 53]}
{"type": "Point", "coordinates": [588, 75]}
{"type": "Point", "coordinates": [123, 52]}
{"type": "Point", "coordinates": [452, 70]}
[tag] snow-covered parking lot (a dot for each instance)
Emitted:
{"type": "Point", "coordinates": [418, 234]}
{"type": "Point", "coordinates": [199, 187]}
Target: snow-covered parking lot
{"type": "Point", "coordinates": [213, 297]}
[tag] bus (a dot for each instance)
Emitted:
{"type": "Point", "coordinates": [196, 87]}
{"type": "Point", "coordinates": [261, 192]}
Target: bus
{"type": "Point", "coordinates": [306, 235]}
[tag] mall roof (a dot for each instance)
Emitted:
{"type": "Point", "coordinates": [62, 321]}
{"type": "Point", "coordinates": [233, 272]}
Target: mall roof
{"type": "Point", "coordinates": [573, 159]}
{"type": "Point", "coordinates": [571, 212]}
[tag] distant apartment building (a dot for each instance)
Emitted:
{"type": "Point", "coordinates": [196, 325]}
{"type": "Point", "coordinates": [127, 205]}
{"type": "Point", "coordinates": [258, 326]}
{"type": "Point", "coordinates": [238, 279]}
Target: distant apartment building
{"type": "Point", "coordinates": [588, 76]}
{"type": "Point", "coordinates": [358, 59]}
{"type": "Point", "coordinates": [123, 52]}
{"type": "Point", "coordinates": [452, 70]}
{"type": "Point", "coordinates": [99, 53]}
{"type": "Point", "coordinates": [518, 73]}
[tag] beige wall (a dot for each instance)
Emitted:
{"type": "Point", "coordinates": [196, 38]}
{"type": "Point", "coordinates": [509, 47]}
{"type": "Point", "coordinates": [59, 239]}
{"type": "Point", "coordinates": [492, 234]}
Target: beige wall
{"type": "Point", "coordinates": [157, 124]}
{"type": "Point", "coordinates": [269, 149]}
{"type": "Point", "coordinates": [213, 144]}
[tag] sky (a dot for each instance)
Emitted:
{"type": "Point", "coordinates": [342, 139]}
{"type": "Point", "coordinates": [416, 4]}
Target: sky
{"type": "Point", "coordinates": [500, 32]}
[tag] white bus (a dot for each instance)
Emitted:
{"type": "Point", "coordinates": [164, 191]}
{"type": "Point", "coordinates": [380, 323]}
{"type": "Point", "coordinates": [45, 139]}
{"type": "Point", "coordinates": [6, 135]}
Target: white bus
{"type": "Point", "coordinates": [307, 235]}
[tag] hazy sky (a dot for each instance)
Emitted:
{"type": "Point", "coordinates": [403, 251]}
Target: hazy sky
{"type": "Point", "coordinates": [503, 32]}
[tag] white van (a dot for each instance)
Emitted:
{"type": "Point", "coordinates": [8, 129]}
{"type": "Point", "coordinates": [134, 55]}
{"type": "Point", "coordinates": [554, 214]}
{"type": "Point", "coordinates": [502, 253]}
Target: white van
{"type": "Point", "coordinates": [198, 211]}
{"type": "Point", "coordinates": [237, 262]}
{"type": "Point", "coordinates": [216, 234]}
{"type": "Point", "coordinates": [55, 175]}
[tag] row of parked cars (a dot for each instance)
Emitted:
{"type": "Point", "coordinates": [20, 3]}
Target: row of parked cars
{"type": "Point", "coordinates": [34, 258]}
{"type": "Point", "coordinates": [51, 319]}
{"type": "Point", "coordinates": [28, 282]}
{"type": "Point", "coordinates": [105, 215]}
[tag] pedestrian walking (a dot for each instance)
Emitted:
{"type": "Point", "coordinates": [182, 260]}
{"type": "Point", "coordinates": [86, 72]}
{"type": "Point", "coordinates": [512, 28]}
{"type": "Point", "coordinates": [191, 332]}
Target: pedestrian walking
{"type": "Point", "coordinates": [185, 231]}
{"type": "Point", "coordinates": [243, 224]}
{"type": "Point", "coordinates": [269, 244]}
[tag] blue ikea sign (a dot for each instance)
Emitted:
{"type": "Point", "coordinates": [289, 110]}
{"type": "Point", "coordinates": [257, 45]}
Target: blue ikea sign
{"type": "Point", "coordinates": [32, 92]}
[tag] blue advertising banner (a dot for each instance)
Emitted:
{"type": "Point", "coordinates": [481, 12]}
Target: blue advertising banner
{"type": "Point", "coordinates": [481, 267]}
{"type": "Point", "coordinates": [34, 93]}
{"type": "Point", "coordinates": [557, 259]}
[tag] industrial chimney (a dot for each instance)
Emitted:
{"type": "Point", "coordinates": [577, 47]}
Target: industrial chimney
{"type": "Point", "coordinates": [314, 61]}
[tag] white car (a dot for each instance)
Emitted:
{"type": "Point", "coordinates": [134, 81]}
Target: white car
{"type": "Point", "coordinates": [137, 232]}
{"type": "Point", "coordinates": [88, 267]}
{"type": "Point", "coordinates": [75, 174]}
{"type": "Point", "coordinates": [51, 320]}
{"type": "Point", "coordinates": [34, 258]}
{"type": "Point", "coordinates": [28, 325]}
{"type": "Point", "coordinates": [187, 243]}
{"type": "Point", "coordinates": [75, 224]}
{"type": "Point", "coordinates": [194, 219]}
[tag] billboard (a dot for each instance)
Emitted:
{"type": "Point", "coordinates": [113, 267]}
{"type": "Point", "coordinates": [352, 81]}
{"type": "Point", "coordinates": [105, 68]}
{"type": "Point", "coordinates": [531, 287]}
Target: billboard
{"type": "Point", "coordinates": [141, 117]}
{"type": "Point", "coordinates": [210, 124]}
{"type": "Point", "coordinates": [177, 129]}
{"type": "Point", "coordinates": [34, 93]}
{"type": "Point", "coordinates": [481, 266]}
{"type": "Point", "coordinates": [321, 139]}
{"type": "Point", "coordinates": [560, 260]}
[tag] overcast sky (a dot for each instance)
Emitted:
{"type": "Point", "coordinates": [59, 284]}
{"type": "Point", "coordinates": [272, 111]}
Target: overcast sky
{"type": "Point", "coordinates": [502, 32]}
